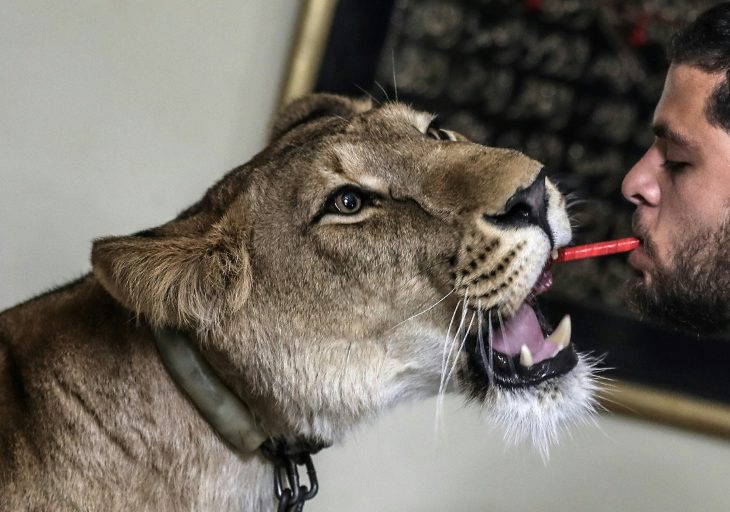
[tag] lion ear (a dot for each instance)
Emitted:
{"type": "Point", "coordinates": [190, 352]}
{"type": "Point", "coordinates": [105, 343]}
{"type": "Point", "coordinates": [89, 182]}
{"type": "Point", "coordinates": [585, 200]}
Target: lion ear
{"type": "Point", "coordinates": [177, 280]}
{"type": "Point", "coordinates": [314, 106]}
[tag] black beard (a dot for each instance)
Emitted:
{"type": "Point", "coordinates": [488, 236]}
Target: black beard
{"type": "Point", "coordinates": [693, 293]}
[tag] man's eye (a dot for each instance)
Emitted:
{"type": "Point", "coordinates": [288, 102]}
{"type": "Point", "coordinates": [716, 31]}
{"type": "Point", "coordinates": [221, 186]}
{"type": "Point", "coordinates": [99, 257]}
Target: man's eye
{"type": "Point", "coordinates": [673, 166]}
{"type": "Point", "coordinates": [347, 201]}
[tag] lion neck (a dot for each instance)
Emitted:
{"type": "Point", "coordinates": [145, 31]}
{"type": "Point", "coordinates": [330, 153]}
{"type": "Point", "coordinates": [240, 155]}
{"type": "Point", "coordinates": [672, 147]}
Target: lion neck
{"type": "Point", "coordinates": [116, 415]}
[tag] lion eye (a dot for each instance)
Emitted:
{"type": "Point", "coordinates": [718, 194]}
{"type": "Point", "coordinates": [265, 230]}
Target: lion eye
{"type": "Point", "coordinates": [348, 201]}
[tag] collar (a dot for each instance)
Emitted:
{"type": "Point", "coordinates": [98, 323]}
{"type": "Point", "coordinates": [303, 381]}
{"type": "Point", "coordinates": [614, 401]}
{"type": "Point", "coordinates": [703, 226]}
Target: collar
{"type": "Point", "coordinates": [222, 409]}
{"type": "Point", "coordinates": [231, 418]}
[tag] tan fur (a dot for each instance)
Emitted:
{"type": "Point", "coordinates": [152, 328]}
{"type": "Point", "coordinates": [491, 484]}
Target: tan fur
{"type": "Point", "coordinates": [309, 319]}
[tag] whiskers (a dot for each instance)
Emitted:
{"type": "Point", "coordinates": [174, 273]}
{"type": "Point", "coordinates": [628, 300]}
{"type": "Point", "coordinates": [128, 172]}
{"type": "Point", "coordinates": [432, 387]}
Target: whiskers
{"type": "Point", "coordinates": [451, 342]}
{"type": "Point", "coordinates": [487, 358]}
{"type": "Point", "coordinates": [372, 98]}
{"type": "Point", "coordinates": [574, 204]}
{"type": "Point", "coordinates": [454, 347]}
{"type": "Point", "coordinates": [395, 81]}
{"type": "Point", "coordinates": [382, 89]}
{"type": "Point", "coordinates": [488, 355]}
{"type": "Point", "coordinates": [465, 334]}
{"type": "Point", "coordinates": [425, 311]}
{"type": "Point", "coordinates": [446, 356]}
{"type": "Point", "coordinates": [504, 337]}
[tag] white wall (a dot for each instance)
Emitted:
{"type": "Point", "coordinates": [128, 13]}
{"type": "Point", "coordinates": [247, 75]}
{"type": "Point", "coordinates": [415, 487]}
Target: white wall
{"type": "Point", "coordinates": [116, 114]}
{"type": "Point", "coordinates": [399, 464]}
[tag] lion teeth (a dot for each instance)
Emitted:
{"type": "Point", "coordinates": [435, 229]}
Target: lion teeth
{"type": "Point", "coordinates": [561, 335]}
{"type": "Point", "coordinates": [554, 253]}
{"type": "Point", "coordinates": [525, 356]}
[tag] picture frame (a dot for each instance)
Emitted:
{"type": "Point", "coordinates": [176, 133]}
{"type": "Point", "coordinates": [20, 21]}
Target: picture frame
{"type": "Point", "coordinates": [656, 373]}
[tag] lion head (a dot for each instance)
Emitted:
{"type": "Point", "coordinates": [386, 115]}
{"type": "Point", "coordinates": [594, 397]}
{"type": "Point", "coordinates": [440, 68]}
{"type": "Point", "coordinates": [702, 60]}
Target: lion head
{"type": "Point", "coordinates": [364, 258]}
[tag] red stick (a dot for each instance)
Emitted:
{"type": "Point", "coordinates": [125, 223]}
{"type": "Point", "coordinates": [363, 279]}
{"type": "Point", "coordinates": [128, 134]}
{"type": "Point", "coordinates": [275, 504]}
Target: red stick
{"type": "Point", "coordinates": [580, 252]}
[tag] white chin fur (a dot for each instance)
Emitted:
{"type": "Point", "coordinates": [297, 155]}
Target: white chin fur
{"type": "Point", "coordinates": [541, 413]}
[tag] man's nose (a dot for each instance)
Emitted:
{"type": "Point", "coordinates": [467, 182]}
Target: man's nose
{"type": "Point", "coordinates": [640, 185]}
{"type": "Point", "coordinates": [528, 206]}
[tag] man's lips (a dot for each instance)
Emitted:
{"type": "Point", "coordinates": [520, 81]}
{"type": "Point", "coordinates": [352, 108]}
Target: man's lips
{"type": "Point", "coordinates": [639, 259]}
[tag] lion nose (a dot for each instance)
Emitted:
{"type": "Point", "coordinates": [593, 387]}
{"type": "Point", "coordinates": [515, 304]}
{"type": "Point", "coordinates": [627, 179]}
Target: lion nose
{"type": "Point", "coordinates": [527, 207]}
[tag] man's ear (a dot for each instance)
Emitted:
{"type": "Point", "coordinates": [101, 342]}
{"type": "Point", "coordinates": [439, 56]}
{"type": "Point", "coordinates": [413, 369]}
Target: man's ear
{"type": "Point", "coordinates": [176, 280]}
{"type": "Point", "coordinates": [314, 106]}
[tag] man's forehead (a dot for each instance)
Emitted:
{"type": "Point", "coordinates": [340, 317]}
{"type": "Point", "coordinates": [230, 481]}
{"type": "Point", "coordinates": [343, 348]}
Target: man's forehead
{"type": "Point", "coordinates": [680, 116]}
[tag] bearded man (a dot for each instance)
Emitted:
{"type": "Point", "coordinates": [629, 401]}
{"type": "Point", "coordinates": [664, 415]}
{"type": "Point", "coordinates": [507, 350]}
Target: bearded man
{"type": "Point", "coordinates": [681, 186]}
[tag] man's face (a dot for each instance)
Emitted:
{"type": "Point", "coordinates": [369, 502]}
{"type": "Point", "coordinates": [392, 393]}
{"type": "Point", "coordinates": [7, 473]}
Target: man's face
{"type": "Point", "coordinates": [681, 189]}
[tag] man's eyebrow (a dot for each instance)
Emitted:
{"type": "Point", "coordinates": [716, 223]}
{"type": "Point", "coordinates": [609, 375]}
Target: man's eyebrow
{"type": "Point", "coordinates": [662, 131]}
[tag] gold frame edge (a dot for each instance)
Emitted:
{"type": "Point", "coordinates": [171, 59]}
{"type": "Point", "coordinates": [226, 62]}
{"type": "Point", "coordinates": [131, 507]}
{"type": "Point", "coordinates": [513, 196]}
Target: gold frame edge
{"type": "Point", "coordinates": [673, 408]}
{"type": "Point", "coordinates": [307, 52]}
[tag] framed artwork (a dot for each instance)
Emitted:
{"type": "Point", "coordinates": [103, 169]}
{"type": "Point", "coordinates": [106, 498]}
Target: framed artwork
{"type": "Point", "coordinates": [572, 83]}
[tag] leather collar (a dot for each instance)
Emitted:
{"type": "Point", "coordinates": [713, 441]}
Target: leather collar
{"type": "Point", "coordinates": [231, 418]}
{"type": "Point", "coordinates": [222, 409]}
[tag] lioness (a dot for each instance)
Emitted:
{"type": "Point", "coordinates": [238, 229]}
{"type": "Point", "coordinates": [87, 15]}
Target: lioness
{"type": "Point", "coordinates": [366, 257]}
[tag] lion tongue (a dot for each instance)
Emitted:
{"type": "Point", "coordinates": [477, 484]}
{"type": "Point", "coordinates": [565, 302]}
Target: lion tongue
{"type": "Point", "coordinates": [523, 329]}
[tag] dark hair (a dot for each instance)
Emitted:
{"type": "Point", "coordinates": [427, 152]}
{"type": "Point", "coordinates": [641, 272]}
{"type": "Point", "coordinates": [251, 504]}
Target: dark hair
{"type": "Point", "coordinates": [705, 43]}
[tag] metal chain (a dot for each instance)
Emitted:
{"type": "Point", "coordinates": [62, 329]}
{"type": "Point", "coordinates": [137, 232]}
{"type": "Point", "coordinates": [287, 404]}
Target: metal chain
{"type": "Point", "coordinates": [288, 490]}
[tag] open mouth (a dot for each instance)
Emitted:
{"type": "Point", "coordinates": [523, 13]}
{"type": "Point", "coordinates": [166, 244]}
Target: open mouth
{"type": "Point", "coordinates": [524, 350]}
